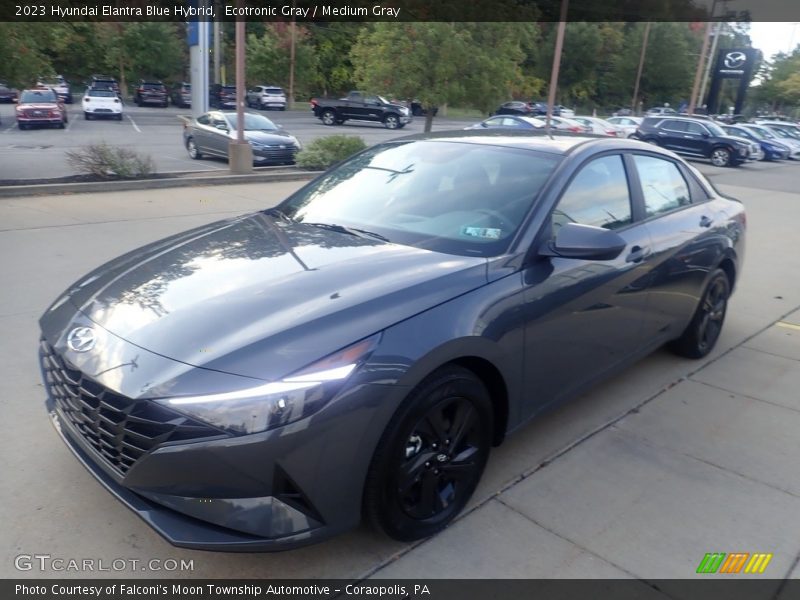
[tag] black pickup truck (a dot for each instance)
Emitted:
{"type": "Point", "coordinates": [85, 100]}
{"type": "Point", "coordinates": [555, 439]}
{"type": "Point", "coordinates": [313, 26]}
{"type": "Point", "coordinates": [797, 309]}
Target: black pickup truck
{"type": "Point", "coordinates": [359, 106]}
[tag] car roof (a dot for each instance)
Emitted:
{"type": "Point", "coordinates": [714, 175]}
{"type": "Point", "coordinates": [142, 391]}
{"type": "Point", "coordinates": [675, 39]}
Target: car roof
{"type": "Point", "coordinates": [558, 142]}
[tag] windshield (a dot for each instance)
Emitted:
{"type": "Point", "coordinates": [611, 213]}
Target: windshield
{"type": "Point", "coordinates": [714, 128]}
{"type": "Point", "coordinates": [37, 96]}
{"type": "Point", "coordinates": [458, 198]}
{"type": "Point", "coordinates": [252, 122]}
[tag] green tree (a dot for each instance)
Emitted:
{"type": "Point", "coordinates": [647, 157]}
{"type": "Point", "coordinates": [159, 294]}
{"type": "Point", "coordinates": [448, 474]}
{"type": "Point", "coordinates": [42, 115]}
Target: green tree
{"type": "Point", "coordinates": [441, 63]}
{"type": "Point", "coordinates": [23, 52]}
{"type": "Point", "coordinates": [143, 49]}
{"type": "Point", "coordinates": [269, 58]}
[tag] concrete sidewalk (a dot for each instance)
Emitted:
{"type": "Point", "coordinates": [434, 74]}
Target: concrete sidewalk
{"type": "Point", "coordinates": [640, 478]}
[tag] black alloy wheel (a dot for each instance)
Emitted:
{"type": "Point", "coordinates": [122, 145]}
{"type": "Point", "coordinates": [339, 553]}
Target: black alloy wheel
{"type": "Point", "coordinates": [431, 456]}
{"type": "Point", "coordinates": [703, 331]}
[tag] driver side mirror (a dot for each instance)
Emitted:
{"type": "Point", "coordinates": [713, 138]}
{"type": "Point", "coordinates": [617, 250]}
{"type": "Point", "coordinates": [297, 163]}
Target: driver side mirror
{"type": "Point", "coordinates": [586, 242]}
{"type": "Point", "coordinates": [221, 127]}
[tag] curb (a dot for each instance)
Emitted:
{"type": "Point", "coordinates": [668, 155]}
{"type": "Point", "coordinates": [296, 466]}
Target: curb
{"type": "Point", "coordinates": [150, 184]}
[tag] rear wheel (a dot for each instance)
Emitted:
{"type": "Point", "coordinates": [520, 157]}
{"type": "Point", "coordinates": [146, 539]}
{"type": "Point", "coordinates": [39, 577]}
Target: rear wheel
{"type": "Point", "coordinates": [328, 117]}
{"type": "Point", "coordinates": [119, 117]}
{"type": "Point", "coordinates": [431, 456]}
{"type": "Point", "coordinates": [702, 333]}
{"type": "Point", "coordinates": [720, 157]}
{"type": "Point", "coordinates": [87, 116]}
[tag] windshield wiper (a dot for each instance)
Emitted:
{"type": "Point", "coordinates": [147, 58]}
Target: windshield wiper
{"type": "Point", "coordinates": [274, 212]}
{"type": "Point", "coordinates": [349, 230]}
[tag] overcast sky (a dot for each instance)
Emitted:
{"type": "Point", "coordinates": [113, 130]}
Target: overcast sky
{"type": "Point", "coordinates": [772, 38]}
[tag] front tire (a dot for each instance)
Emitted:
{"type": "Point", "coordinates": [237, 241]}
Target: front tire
{"type": "Point", "coordinates": [720, 157]}
{"type": "Point", "coordinates": [193, 150]}
{"type": "Point", "coordinates": [431, 456]}
{"type": "Point", "coordinates": [702, 333]}
{"type": "Point", "coordinates": [328, 117]}
{"type": "Point", "coordinates": [391, 122]}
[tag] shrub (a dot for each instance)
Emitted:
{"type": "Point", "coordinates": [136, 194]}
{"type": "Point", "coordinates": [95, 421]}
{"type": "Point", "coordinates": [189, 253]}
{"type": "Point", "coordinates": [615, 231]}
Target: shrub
{"type": "Point", "coordinates": [326, 151]}
{"type": "Point", "coordinates": [109, 162]}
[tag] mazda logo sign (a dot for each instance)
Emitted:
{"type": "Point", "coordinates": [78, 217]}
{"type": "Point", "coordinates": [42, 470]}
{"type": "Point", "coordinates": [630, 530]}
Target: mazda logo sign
{"type": "Point", "coordinates": [81, 339]}
{"type": "Point", "coordinates": [734, 60]}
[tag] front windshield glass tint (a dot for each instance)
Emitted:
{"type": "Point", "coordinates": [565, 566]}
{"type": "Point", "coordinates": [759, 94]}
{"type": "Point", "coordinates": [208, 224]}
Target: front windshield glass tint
{"type": "Point", "coordinates": [458, 198]}
{"type": "Point", "coordinates": [38, 96]}
{"type": "Point", "coordinates": [252, 122]}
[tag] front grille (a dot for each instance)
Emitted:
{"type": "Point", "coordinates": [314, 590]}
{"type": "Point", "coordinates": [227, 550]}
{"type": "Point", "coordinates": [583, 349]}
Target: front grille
{"type": "Point", "coordinates": [120, 430]}
{"type": "Point", "coordinates": [276, 153]}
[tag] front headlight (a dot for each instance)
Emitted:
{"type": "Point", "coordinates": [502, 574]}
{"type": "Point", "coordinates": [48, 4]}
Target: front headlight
{"type": "Point", "coordinates": [278, 403]}
{"type": "Point", "coordinates": [297, 144]}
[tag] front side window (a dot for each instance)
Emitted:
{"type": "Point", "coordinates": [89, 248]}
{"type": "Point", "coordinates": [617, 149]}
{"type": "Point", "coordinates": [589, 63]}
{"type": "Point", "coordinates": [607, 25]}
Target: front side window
{"type": "Point", "coordinates": [674, 125]}
{"type": "Point", "coordinates": [663, 186]}
{"type": "Point", "coordinates": [598, 195]}
{"type": "Point", "coordinates": [696, 129]}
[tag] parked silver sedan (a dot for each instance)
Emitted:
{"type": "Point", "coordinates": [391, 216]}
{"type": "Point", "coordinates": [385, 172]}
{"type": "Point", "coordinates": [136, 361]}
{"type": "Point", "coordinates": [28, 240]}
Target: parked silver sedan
{"type": "Point", "coordinates": [211, 133]}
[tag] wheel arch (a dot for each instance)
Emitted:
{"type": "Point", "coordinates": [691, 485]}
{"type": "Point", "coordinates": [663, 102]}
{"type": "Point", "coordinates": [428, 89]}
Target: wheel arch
{"type": "Point", "coordinates": [483, 358]}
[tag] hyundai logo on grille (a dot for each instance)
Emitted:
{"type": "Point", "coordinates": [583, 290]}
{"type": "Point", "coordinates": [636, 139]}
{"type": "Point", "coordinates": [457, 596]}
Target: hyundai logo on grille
{"type": "Point", "coordinates": [81, 339]}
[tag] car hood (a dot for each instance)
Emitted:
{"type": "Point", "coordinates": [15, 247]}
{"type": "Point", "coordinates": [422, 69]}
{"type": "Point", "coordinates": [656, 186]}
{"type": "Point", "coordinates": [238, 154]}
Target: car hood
{"type": "Point", "coordinates": [259, 297]}
{"type": "Point", "coordinates": [267, 137]}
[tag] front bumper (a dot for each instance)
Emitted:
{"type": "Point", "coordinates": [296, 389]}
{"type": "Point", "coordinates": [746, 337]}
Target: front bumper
{"type": "Point", "coordinates": [40, 120]}
{"type": "Point", "coordinates": [269, 491]}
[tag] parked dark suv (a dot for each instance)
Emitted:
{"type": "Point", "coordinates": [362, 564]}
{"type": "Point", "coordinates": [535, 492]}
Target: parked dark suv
{"type": "Point", "coordinates": [222, 96]}
{"type": "Point", "coordinates": [693, 137]}
{"type": "Point", "coordinates": [104, 82]}
{"type": "Point", "coordinates": [151, 92]}
{"type": "Point", "coordinates": [182, 95]}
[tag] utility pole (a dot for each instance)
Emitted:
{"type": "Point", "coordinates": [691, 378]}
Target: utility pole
{"type": "Point", "coordinates": [695, 99]}
{"type": "Point", "coordinates": [293, 32]}
{"type": "Point", "coordinates": [240, 154]}
{"type": "Point", "coordinates": [551, 96]}
{"type": "Point", "coordinates": [635, 101]}
{"type": "Point", "coordinates": [217, 48]}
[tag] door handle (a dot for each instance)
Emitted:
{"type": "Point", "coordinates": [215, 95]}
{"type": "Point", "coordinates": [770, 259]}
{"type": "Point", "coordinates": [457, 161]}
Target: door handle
{"type": "Point", "coordinates": [705, 221]}
{"type": "Point", "coordinates": [637, 254]}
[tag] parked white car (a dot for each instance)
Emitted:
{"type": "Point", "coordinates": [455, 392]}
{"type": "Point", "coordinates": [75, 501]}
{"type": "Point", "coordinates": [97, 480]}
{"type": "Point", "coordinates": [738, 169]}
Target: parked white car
{"type": "Point", "coordinates": [99, 103]}
{"type": "Point", "coordinates": [629, 125]}
{"type": "Point", "coordinates": [565, 112]}
{"type": "Point", "coordinates": [266, 97]}
{"type": "Point", "coordinates": [600, 126]}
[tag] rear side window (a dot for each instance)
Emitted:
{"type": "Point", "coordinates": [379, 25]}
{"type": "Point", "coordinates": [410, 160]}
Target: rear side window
{"type": "Point", "coordinates": [663, 186]}
{"type": "Point", "coordinates": [598, 195]}
{"type": "Point", "coordinates": [274, 91]}
{"type": "Point", "coordinates": [674, 125]}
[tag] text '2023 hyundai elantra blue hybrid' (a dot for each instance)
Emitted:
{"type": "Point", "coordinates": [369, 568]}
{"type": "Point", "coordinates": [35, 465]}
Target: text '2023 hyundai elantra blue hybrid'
{"type": "Point", "coordinates": [263, 382]}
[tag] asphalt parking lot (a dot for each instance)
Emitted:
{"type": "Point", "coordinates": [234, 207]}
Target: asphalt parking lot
{"type": "Point", "coordinates": [639, 478]}
{"type": "Point", "coordinates": [156, 132]}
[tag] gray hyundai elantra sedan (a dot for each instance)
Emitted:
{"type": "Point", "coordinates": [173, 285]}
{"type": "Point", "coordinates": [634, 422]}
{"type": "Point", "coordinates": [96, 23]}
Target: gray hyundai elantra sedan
{"type": "Point", "coordinates": [263, 382]}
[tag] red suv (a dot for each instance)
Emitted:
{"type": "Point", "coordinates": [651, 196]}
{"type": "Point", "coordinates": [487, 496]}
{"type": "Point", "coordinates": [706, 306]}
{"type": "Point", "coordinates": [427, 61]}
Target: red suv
{"type": "Point", "coordinates": [41, 106]}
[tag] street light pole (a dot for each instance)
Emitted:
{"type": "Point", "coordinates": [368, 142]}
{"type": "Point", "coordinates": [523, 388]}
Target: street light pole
{"type": "Point", "coordinates": [551, 96]}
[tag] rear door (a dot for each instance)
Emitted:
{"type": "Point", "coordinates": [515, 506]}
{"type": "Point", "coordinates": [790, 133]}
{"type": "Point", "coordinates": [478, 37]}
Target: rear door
{"type": "Point", "coordinates": [671, 134]}
{"type": "Point", "coordinates": [683, 223]}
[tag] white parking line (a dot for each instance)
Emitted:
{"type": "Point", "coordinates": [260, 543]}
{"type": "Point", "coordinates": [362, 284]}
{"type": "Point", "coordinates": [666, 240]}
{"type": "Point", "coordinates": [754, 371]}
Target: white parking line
{"type": "Point", "coordinates": [9, 128]}
{"type": "Point", "coordinates": [135, 126]}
